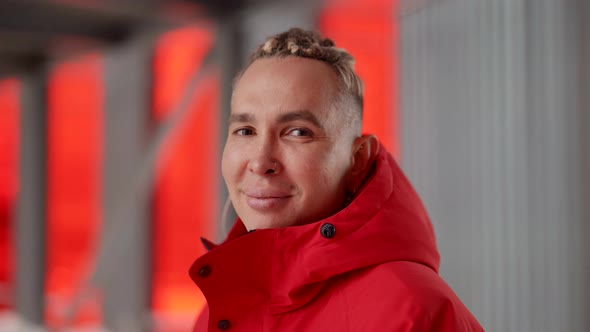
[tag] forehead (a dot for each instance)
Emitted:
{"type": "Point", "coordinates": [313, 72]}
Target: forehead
{"type": "Point", "coordinates": [273, 85]}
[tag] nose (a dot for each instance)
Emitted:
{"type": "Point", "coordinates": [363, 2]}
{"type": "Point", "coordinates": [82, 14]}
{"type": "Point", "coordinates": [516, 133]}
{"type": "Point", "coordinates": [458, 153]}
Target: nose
{"type": "Point", "coordinates": [263, 161]}
{"type": "Point", "coordinates": [264, 166]}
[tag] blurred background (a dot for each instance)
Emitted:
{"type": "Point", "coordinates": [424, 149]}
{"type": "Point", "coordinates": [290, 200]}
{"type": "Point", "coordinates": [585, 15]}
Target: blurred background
{"type": "Point", "coordinates": [112, 119]}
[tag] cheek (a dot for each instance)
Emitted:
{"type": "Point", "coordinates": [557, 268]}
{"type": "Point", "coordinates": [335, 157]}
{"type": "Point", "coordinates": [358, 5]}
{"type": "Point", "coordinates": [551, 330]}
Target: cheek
{"type": "Point", "coordinates": [322, 174]}
{"type": "Point", "coordinates": [230, 164]}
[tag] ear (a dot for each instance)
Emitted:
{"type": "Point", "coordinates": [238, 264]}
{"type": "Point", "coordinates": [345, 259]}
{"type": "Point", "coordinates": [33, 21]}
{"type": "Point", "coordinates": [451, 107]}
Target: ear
{"type": "Point", "coordinates": [365, 149]}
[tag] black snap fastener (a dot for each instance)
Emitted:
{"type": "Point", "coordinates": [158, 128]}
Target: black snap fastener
{"type": "Point", "coordinates": [205, 271]}
{"type": "Point", "coordinates": [223, 324]}
{"type": "Point", "coordinates": [328, 231]}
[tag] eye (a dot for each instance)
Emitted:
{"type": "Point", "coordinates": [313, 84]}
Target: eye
{"type": "Point", "coordinates": [244, 132]}
{"type": "Point", "coordinates": [299, 132]}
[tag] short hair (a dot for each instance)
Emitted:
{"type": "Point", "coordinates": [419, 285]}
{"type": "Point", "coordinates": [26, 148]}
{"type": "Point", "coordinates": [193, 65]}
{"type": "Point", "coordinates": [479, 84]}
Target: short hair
{"type": "Point", "coordinates": [309, 44]}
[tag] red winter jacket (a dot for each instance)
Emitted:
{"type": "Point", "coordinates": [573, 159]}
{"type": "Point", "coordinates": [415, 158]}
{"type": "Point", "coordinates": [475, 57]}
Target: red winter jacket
{"type": "Point", "coordinates": [370, 267]}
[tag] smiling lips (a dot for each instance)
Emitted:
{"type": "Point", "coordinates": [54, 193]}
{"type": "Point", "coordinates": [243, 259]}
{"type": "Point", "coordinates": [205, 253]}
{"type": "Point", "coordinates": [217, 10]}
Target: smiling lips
{"type": "Point", "coordinates": [265, 199]}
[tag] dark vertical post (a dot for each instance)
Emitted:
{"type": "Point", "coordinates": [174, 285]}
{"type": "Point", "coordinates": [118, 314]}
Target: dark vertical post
{"type": "Point", "coordinates": [229, 52]}
{"type": "Point", "coordinates": [124, 260]}
{"type": "Point", "coordinates": [31, 210]}
{"type": "Point", "coordinates": [582, 9]}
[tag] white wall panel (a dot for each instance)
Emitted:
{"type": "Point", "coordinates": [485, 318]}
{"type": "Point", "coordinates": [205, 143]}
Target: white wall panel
{"type": "Point", "coordinates": [492, 129]}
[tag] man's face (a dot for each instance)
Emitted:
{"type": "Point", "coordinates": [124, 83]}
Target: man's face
{"type": "Point", "coordinates": [288, 151]}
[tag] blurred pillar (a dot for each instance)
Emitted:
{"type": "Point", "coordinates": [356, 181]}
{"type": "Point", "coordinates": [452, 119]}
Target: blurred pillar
{"type": "Point", "coordinates": [582, 8]}
{"type": "Point", "coordinates": [123, 264]}
{"type": "Point", "coordinates": [261, 22]}
{"type": "Point", "coordinates": [31, 211]}
{"type": "Point", "coordinates": [229, 52]}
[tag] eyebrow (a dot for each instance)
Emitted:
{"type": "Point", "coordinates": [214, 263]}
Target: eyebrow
{"type": "Point", "coordinates": [303, 115]}
{"type": "Point", "coordinates": [241, 118]}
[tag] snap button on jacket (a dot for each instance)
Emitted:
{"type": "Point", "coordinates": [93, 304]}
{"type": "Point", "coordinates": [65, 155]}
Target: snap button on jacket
{"type": "Point", "coordinates": [374, 268]}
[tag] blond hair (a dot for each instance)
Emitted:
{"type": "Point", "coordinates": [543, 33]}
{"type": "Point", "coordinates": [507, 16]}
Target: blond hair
{"type": "Point", "coordinates": [309, 44]}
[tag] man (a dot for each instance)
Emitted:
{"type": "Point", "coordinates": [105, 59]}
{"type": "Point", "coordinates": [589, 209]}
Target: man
{"type": "Point", "coordinates": [330, 236]}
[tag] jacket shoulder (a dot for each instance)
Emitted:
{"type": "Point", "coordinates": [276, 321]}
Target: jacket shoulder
{"type": "Point", "coordinates": [406, 296]}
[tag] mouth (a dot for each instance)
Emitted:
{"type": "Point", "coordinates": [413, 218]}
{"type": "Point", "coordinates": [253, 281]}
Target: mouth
{"type": "Point", "coordinates": [261, 200]}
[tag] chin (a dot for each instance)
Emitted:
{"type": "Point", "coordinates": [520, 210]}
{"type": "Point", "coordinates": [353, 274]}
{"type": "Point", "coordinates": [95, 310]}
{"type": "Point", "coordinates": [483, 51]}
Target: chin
{"type": "Point", "coordinates": [267, 223]}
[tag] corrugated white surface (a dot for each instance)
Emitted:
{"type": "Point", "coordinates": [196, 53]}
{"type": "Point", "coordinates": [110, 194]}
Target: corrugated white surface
{"type": "Point", "coordinates": [491, 138]}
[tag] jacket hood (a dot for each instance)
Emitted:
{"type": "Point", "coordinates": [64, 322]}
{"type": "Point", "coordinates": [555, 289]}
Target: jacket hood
{"type": "Point", "coordinates": [385, 222]}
